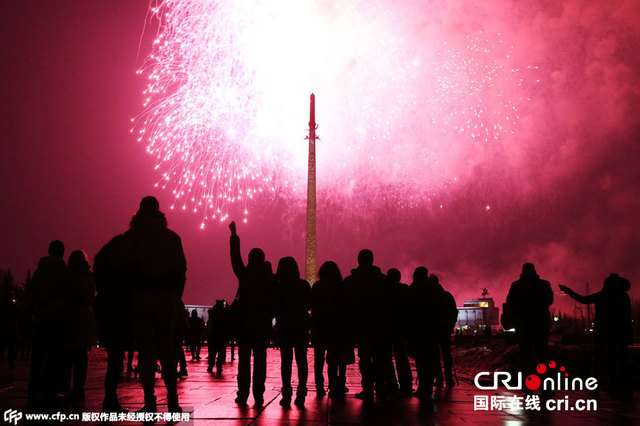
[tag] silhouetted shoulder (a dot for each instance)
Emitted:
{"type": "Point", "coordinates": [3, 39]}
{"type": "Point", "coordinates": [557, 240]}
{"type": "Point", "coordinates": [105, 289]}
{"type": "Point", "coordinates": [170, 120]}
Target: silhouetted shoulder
{"type": "Point", "coordinates": [173, 235]}
{"type": "Point", "coordinates": [46, 263]}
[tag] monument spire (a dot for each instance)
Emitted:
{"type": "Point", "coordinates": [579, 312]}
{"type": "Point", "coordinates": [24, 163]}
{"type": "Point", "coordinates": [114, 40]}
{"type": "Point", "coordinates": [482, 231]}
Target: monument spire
{"type": "Point", "coordinates": [311, 244]}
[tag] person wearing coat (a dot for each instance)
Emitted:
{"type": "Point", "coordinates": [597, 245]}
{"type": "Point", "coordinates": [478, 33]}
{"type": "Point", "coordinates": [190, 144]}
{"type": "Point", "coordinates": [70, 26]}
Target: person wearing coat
{"type": "Point", "coordinates": [331, 331]}
{"type": "Point", "coordinates": [529, 299]}
{"type": "Point", "coordinates": [51, 310]}
{"type": "Point", "coordinates": [370, 315]}
{"type": "Point", "coordinates": [424, 325]}
{"type": "Point", "coordinates": [154, 258]}
{"type": "Point", "coordinates": [293, 301]}
{"type": "Point", "coordinates": [217, 336]}
{"type": "Point", "coordinates": [82, 328]}
{"type": "Point", "coordinates": [196, 330]}
{"type": "Point", "coordinates": [399, 324]}
{"type": "Point", "coordinates": [448, 313]}
{"type": "Point", "coordinates": [112, 310]}
{"type": "Point", "coordinates": [612, 332]}
{"type": "Point", "coordinates": [255, 311]}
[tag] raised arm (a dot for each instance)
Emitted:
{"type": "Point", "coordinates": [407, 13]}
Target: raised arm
{"type": "Point", "coordinates": [236, 258]}
{"type": "Point", "coordinates": [577, 297]}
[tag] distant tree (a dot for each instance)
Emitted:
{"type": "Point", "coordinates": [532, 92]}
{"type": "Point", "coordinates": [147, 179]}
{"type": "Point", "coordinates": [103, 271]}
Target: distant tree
{"type": "Point", "coordinates": [8, 283]}
{"type": "Point", "coordinates": [22, 291]}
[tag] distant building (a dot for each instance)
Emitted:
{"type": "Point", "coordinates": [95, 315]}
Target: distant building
{"type": "Point", "coordinates": [203, 311]}
{"type": "Point", "coordinates": [478, 313]}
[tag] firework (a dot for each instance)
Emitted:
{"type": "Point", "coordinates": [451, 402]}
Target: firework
{"type": "Point", "coordinates": [471, 98]}
{"type": "Point", "coordinates": [224, 109]}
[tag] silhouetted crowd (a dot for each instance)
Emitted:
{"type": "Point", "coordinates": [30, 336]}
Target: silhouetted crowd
{"type": "Point", "coordinates": [132, 301]}
{"type": "Point", "coordinates": [62, 297]}
{"type": "Point", "coordinates": [386, 320]}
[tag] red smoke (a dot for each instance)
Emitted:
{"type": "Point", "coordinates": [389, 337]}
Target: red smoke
{"type": "Point", "coordinates": [562, 191]}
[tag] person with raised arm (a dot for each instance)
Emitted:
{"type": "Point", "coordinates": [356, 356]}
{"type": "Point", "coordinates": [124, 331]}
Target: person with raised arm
{"type": "Point", "coordinates": [612, 332]}
{"type": "Point", "coordinates": [255, 310]}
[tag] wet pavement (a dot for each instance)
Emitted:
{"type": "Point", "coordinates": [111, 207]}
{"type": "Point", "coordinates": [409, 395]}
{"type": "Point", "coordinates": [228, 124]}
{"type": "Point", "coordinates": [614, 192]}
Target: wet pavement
{"type": "Point", "coordinates": [209, 399]}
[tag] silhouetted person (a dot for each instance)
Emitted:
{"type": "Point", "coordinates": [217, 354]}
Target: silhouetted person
{"type": "Point", "coordinates": [9, 316]}
{"type": "Point", "coordinates": [51, 319]}
{"type": "Point", "coordinates": [487, 331]}
{"type": "Point", "coordinates": [82, 330]}
{"type": "Point", "coordinates": [25, 327]}
{"type": "Point", "coordinates": [218, 336]}
{"type": "Point", "coordinates": [254, 314]}
{"type": "Point", "coordinates": [529, 299]}
{"type": "Point", "coordinates": [330, 330]}
{"type": "Point", "coordinates": [232, 325]}
{"type": "Point", "coordinates": [424, 311]}
{"type": "Point", "coordinates": [399, 323]}
{"type": "Point", "coordinates": [370, 312]}
{"type": "Point", "coordinates": [131, 352]}
{"type": "Point", "coordinates": [155, 257]}
{"type": "Point", "coordinates": [113, 316]}
{"type": "Point", "coordinates": [448, 312]}
{"type": "Point", "coordinates": [293, 301]}
{"type": "Point", "coordinates": [612, 331]}
{"type": "Point", "coordinates": [181, 331]}
{"type": "Point", "coordinates": [196, 328]}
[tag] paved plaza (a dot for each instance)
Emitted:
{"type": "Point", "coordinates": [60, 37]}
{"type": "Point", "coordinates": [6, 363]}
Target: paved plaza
{"type": "Point", "coordinates": [209, 399]}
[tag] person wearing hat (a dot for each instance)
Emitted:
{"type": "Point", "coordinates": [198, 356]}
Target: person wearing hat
{"type": "Point", "coordinates": [529, 298]}
{"type": "Point", "coordinates": [154, 257]}
{"type": "Point", "coordinates": [612, 333]}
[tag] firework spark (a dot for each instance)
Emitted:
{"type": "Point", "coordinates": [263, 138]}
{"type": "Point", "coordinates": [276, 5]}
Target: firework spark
{"type": "Point", "coordinates": [469, 93]}
{"type": "Point", "coordinates": [224, 106]}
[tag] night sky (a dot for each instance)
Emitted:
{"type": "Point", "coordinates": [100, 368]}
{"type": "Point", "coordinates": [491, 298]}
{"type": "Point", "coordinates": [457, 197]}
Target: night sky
{"type": "Point", "coordinates": [561, 191]}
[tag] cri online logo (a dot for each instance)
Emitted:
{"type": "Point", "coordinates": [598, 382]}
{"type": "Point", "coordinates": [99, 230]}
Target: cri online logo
{"type": "Point", "coordinates": [545, 379]}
